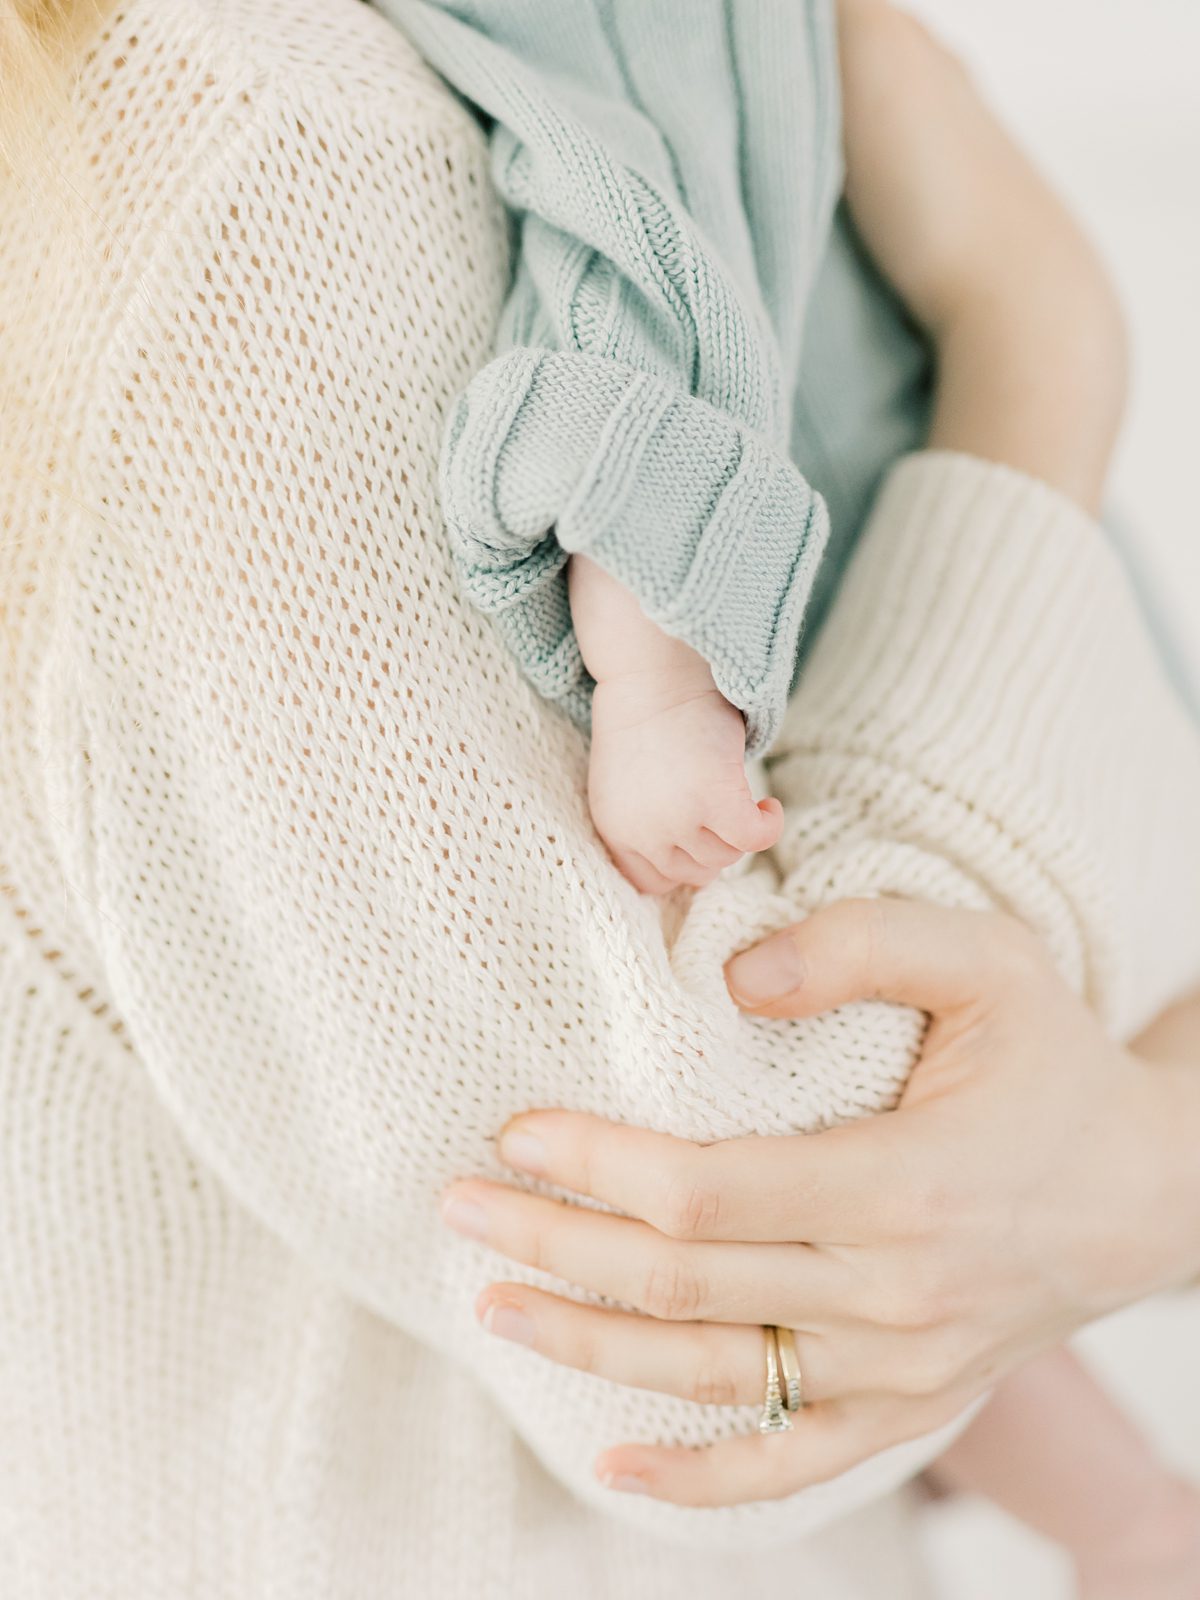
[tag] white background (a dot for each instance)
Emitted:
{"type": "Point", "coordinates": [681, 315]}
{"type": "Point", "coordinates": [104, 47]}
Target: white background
{"type": "Point", "coordinates": [1106, 93]}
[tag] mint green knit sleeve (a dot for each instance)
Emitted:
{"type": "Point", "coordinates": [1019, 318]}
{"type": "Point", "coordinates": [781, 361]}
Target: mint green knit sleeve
{"type": "Point", "coordinates": [671, 166]}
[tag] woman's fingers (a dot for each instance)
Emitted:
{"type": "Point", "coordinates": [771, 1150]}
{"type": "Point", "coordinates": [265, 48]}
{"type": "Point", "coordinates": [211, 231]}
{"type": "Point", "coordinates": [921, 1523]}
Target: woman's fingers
{"type": "Point", "coordinates": [917, 955]}
{"type": "Point", "coordinates": [627, 1260]}
{"type": "Point", "coordinates": [826, 1440]}
{"type": "Point", "coordinates": [709, 1363]}
{"type": "Point", "coordinates": [715, 1364]}
{"type": "Point", "coordinates": [844, 1186]}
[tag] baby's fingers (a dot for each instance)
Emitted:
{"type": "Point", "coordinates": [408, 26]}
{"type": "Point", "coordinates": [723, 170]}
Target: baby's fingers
{"type": "Point", "coordinates": [641, 873]}
{"type": "Point", "coordinates": [748, 826]}
{"type": "Point", "coordinates": [680, 866]}
{"type": "Point", "coordinates": [712, 851]}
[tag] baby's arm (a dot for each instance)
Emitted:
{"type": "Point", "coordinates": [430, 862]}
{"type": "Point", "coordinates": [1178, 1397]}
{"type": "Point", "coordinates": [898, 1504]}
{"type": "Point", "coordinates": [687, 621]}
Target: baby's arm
{"type": "Point", "coordinates": [667, 782]}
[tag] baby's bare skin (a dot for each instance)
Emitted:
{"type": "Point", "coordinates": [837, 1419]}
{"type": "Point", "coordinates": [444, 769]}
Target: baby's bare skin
{"type": "Point", "coordinates": [994, 267]}
{"type": "Point", "coordinates": [667, 781]}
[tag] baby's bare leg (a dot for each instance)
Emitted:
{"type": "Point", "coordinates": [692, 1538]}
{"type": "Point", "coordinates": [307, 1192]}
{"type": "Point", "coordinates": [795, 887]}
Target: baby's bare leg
{"type": "Point", "coordinates": [1053, 1449]}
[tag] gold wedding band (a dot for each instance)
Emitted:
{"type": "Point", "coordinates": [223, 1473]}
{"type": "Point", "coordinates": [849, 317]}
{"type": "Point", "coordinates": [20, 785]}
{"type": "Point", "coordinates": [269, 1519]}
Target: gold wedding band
{"type": "Point", "coordinates": [774, 1417]}
{"type": "Point", "coordinates": [789, 1368]}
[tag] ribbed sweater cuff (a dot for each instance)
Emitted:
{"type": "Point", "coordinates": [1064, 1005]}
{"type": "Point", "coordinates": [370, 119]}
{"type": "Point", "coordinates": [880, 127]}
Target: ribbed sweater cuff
{"type": "Point", "coordinates": [964, 600]}
{"type": "Point", "coordinates": [716, 535]}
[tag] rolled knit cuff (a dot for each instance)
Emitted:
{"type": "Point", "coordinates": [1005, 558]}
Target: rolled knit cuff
{"type": "Point", "coordinates": [986, 645]}
{"type": "Point", "coordinates": [958, 606]}
{"type": "Point", "coordinates": [716, 535]}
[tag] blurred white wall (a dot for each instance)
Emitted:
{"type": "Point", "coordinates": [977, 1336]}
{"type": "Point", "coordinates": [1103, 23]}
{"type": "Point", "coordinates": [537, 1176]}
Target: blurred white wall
{"type": "Point", "coordinates": [1106, 94]}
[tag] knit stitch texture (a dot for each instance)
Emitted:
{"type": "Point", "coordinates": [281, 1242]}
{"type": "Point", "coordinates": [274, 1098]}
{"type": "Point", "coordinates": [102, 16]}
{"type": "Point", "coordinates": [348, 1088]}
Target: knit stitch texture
{"type": "Point", "coordinates": [301, 900]}
{"type": "Point", "coordinates": [673, 168]}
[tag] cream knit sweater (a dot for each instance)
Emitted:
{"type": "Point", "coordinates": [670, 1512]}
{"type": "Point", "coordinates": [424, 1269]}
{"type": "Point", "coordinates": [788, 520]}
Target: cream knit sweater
{"type": "Point", "coordinates": [301, 900]}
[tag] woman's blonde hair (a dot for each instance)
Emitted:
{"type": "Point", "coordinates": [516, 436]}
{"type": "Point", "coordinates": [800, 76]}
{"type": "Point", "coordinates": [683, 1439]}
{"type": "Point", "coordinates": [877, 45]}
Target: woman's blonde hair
{"type": "Point", "coordinates": [38, 40]}
{"type": "Point", "coordinates": [41, 41]}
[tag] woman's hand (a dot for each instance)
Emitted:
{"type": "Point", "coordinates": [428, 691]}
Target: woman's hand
{"type": "Point", "coordinates": [1034, 1176]}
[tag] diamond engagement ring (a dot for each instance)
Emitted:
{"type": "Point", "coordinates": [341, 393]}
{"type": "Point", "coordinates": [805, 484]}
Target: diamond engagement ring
{"type": "Point", "coordinates": [774, 1417]}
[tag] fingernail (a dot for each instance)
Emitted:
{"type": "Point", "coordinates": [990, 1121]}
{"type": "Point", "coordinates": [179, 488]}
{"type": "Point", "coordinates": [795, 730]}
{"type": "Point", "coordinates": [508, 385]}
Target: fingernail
{"type": "Point", "coordinates": [767, 972]}
{"type": "Point", "coordinates": [507, 1321]}
{"type": "Point", "coordinates": [521, 1149]}
{"type": "Point", "coordinates": [625, 1482]}
{"type": "Point", "coordinates": [465, 1216]}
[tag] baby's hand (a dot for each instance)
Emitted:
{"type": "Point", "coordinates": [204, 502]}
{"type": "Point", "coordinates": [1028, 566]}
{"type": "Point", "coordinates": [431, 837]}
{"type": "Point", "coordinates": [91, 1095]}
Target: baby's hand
{"type": "Point", "coordinates": [667, 780]}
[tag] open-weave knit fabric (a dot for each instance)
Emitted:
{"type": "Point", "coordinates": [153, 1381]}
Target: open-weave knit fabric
{"type": "Point", "coordinates": [301, 899]}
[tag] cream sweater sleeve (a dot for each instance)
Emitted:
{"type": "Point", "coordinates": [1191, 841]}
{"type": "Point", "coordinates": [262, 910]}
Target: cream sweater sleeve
{"type": "Point", "coordinates": [333, 853]}
{"type": "Point", "coordinates": [987, 704]}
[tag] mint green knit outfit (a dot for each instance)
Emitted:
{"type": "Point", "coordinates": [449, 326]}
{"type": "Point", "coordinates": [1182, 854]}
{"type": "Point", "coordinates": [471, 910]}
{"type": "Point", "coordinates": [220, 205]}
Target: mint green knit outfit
{"type": "Point", "coordinates": [696, 367]}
